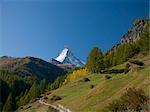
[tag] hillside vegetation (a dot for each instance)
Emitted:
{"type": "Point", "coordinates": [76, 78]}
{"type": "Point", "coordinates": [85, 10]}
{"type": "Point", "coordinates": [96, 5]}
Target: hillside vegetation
{"type": "Point", "coordinates": [24, 79]}
{"type": "Point", "coordinates": [17, 91]}
{"type": "Point", "coordinates": [76, 74]}
{"type": "Point", "coordinates": [78, 95]}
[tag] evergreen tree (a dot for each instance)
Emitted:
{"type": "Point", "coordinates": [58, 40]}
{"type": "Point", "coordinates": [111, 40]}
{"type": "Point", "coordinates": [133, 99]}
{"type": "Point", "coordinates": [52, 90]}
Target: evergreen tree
{"type": "Point", "coordinates": [29, 95]}
{"type": "Point", "coordinates": [144, 42]}
{"type": "Point", "coordinates": [9, 104]}
{"type": "Point", "coordinates": [57, 83]}
{"type": "Point", "coordinates": [34, 91]}
{"type": "Point", "coordinates": [19, 99]}
{"type": "Point", "coordinates": [4, 92]}
{"type": "Point", "coordinates": [121, 54]}
{"type": "Point", "coordinates": [42, 85]}
{"type": "Point", "coordinates": [95, 61]}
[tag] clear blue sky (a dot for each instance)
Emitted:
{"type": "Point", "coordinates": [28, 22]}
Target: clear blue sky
{"type": "Point", "coordinates": [41, 28]}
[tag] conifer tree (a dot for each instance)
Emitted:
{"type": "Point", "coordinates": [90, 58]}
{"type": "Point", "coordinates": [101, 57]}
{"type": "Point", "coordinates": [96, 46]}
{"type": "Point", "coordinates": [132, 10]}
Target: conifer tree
{"type": "Point", "coordinates": [8, 104]}
{"type": "Point", "coordinates": [34, 91]}
{"type": "Point", "coordinates": [95, 61]}
{"type": "Point", "coordinates": [57, 83]}
{"type": "Point", "coordinates": [21, 101]}
{"type": "Point", "coordinates": [42, 85]}
{"type": "Point", "coordinates": [144, 41]}
{"type": "Point", "coordinates": [29, 95]}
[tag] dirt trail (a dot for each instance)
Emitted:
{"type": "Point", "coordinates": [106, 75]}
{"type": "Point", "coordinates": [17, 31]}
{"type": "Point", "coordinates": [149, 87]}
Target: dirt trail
{"type": "Point", "coordinates": [57, 107]}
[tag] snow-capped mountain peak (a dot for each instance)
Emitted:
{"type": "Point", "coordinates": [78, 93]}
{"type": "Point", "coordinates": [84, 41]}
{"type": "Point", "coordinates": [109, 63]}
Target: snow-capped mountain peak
{"type": "Point", "coordinates": [62, 55]}
{"type": "Point", "coordinates": [67, 57]}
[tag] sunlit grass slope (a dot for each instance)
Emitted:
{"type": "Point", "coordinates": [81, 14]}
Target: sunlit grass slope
{"type": "Point", "coordinates": [79, 97]}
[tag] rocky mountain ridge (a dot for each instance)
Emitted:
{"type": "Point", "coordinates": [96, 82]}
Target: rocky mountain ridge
{"type": "Point", "coordinates": [133, 33]}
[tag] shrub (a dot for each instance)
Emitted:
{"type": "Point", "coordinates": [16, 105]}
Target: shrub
{"type": "Point", "coordinates": [55, 98]}
{"type": "Point", "coordinates": [133, 100]}
{"type": "Point", "coordinates": [128, 65]}
{"type": "Point", "coordinates": [86, 79]}
{"type": "Point", "coordinates": [45, 98]}
{"type": "Point", "coordinates": [127, 68]}
{"type": "Point", "coordinates": [137, 62]}
{"type": "Point", "coordinates": [126, 71]}
{"type": "Point", "coordinates": [28, 107]}
{"type": "Point", "coordinates": [50, 109]}
{"type": "Point", "coordinates": [113, 71]}
{"type": "Point", "coordinates": [48, 93]}
{"type": "Point", "coordinates": [92, 86]}
{"type": "Point", "coordinates": [107, 77]}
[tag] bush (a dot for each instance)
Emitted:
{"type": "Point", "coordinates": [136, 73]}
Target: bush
{"type": "Point", "coordinates": [133, 100]}
{"type": "Point", "coordinates": [29, 107]}
{"type": "Point", "coordinates": [126, 71]}
{"type": "Point", "coordinates": [92, 86]}
{"type": "Point", "coordinates": [50, 109]}
{"type": "Point", "coordinates": [48, 93]}
{"type": "Point", "coordinates": [55, 98]}
{"type": "Point", "coordinates": [86, 79]}
{"type": "Point", "coordinates": [128, 65]}
{"type": "Point", "coordinates": [113, 71]}
{"type": "Point", "coordinates": [45, 98]}
{"type": "Point", "coordinates": [107, 77]}
{"type": "Point", "coordinates": [137, 62]}
{"type": "Point", "coordinates": [127, 68]}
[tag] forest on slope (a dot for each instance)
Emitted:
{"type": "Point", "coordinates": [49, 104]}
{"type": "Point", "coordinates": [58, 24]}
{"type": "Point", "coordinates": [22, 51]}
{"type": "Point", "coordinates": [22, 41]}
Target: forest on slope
{"type": "Point", "coordinates": [23, 79]}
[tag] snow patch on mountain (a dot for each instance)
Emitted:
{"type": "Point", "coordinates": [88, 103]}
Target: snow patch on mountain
{"type": "Point", "coordinates": [67, 57]}
{"type": "Point", "coordinates": [62, 55]}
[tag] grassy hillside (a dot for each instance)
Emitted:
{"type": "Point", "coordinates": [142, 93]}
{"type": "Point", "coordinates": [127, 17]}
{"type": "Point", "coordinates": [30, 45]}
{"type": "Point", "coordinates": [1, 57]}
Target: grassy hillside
{"type": "Point", "coordinates": [78, 96]}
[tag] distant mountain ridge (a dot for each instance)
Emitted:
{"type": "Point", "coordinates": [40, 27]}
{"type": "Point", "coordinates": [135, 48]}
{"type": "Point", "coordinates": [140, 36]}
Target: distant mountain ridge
{"type": "Point", "coordinates": [33, 67]}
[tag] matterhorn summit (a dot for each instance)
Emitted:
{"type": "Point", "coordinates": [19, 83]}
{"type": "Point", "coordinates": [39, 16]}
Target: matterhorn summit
{"type": "Point", "coordinates": [67, 57]}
